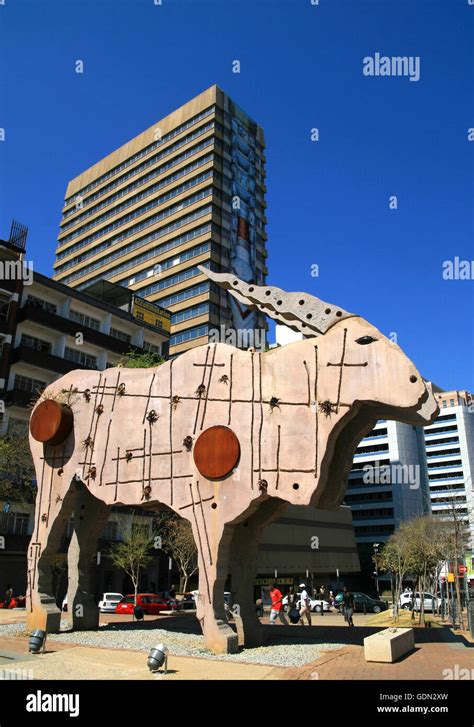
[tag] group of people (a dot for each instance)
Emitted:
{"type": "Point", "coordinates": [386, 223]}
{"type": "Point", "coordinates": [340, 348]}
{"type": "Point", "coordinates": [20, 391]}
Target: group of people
{"type": "Point", "coordinates": [278, 612]}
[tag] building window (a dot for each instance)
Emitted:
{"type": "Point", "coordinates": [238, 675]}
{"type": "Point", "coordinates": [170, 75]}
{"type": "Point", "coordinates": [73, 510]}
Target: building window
{"type": "Point", "coordinates": [24, 383]}
{"type": "Point", "coordinates": [115, 333]}
{"type": "Point", "coordinates": [39, 303]}
{"type": "Point", "coordinates": [14, 523]}
{"type": "Point", "coordinates": [4, 305]}
{"type": "Point", "coordinates": [37, 343]}
{"type": "Point", "coordinates": [451, 402]}
{"type": "Point", "coordinates": [110, 531]}
{"type": "Point", "coordinates": [84, 320]}
{"type": "Point", "coordinates": [152, 347]}
{"type": "Point", "coordinates": [189, 335]}
{"type": "Point", "coordinates": [80, 357]}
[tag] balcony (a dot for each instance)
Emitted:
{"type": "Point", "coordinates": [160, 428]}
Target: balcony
{"type": "Point", "coordinates": [43, 360]}
{"type": "Point", "coordinates": [64, 325]}
{"type": "Point", "coordinates": [18, 397]}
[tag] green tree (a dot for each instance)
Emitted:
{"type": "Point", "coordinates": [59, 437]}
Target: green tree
{"type": "Point", "coordinates": [131, 553]}
{"type": "Point", "coordinates": [16, 466]}
{"type": "Point", "coordinates": [143, 360]}
{"type": "Point", "coordinates": [395, 557]}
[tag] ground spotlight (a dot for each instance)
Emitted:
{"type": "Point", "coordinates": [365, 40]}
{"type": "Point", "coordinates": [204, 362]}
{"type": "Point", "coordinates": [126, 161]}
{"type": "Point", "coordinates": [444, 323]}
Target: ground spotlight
{"type": "Point", "coordinates": [37, 641]}
{"type": "Point", "coordinates": [157, 657]}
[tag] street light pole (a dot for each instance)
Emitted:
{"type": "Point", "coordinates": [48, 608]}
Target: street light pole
{"type": "Point", "coordinates": [375, 547]}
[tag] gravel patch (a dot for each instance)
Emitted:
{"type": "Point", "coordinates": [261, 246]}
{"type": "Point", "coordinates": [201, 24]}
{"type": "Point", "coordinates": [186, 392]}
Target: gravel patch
{"type": "Point", "coordinates": [284, 651]}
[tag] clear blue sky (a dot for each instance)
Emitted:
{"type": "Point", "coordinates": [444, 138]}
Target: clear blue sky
{"type": "Point", "coordinates": [301, 67]}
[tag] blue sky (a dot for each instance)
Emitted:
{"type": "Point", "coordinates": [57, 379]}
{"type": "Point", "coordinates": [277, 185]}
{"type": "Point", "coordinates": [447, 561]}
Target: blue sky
{"type": "Point", "coordinates": [301, 68]}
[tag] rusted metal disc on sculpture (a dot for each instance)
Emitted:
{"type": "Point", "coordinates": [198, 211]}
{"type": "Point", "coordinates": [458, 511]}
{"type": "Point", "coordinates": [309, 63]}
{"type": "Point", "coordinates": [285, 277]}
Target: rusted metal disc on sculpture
{"type": "Point", "coordinates": [51, 422]}
{"type": "Point", "coordinates": [216, 452]}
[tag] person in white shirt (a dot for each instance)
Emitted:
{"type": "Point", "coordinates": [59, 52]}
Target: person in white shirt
{"type": "Point", "coordinates": [304, 605]}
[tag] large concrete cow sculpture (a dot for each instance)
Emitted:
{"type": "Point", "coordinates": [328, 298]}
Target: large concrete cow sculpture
{"type": "Point", "coordinates": [224, 437]}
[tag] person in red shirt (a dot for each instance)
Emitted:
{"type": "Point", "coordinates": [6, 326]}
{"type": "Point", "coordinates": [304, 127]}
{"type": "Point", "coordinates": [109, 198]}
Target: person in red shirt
{"type": "Point", "coordinates": [277, 606]}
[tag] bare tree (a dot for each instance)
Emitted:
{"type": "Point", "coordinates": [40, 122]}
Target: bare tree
{"type": "Point", "coordinates": [456, 542]}
{"type": "Point", "coordinates": [131, 553]}
{"type": "Point", "coordinates": [395, 557]}
{"type": "Point", "coordinates": [178, 542]}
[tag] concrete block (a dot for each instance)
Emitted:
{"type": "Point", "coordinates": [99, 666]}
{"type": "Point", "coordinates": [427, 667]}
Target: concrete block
{"type": "Point", "coordinates": [389, 645]}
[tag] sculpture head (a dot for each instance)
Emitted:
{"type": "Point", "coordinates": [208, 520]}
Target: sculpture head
{"type": "Point", "coordinates": [350, 373]}
{"type": "Point", "coordinates": [375, 371]}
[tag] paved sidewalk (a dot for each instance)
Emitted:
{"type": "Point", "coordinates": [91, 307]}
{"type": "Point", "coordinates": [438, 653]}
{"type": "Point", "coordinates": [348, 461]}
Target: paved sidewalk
{"type": "Point", "coordinates": [429, 661]}
{"type": "Point", "coordinates": [89, 663]}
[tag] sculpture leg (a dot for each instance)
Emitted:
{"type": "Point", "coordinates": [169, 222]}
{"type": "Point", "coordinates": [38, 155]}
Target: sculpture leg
{"type": "Point", "coordinates": [213, 571]}
{"type": "Point", "coordinates": [244, 568]}
{"type": "Point", "coordinates": [90, 517]}
{"type": "Point", "coordinates": [51, 518]}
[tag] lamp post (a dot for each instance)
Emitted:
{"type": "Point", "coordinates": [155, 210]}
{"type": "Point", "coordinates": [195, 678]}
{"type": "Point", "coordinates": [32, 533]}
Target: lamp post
{"type": "Point", "coordinates": [376, 573]}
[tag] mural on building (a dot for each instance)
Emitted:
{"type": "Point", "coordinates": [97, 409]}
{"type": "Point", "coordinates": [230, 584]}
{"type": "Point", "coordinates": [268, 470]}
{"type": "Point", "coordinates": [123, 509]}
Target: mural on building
{"type": "Point", "coordinates": [244, 216]}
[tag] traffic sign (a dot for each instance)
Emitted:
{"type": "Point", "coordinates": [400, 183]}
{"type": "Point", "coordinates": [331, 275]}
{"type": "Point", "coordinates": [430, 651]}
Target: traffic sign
{"type": "Point", "coordinates": [451, 578]}
{"type": "Point", "coordinates": [463, 568]}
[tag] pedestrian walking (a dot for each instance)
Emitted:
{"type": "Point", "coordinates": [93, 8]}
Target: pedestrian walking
{"type": "Point", "coordinates": [8, 596]}
{"type": "Point", "coordinates": [277, 606]}
{"type": "Point", "coordinates": [348, 606]}
{"type": "Point", "coordinates": [304, 605]}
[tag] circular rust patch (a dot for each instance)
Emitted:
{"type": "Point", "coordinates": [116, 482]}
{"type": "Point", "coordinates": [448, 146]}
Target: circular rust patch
{"type": "Point", "coordinates": [216, 452]}
{"type": "Point", "coordinates": [51, 422]}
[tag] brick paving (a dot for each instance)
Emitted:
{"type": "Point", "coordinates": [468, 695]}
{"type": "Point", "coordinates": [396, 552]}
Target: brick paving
{"type": "Point", "coordinates": [434, 652]}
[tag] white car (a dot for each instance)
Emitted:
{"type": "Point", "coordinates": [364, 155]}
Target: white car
{"type": "Point", "coordinates": [317, 605]}
{"type": "Point", "coordinates": [109, 601]}
{"type": "Point", "coordinates": [408, 598]}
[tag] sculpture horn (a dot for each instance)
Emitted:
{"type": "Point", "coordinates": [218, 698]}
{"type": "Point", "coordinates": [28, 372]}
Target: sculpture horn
{"type": "Point", "coordinates": [299, 311]}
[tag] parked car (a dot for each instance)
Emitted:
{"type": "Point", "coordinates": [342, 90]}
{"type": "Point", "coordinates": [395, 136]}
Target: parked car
{"type": "Point", "coordinates": [316, 604]}
{"type": "Point", "coordinates": [188, 602]}
{"type": "Point", "coordinates": [109, 601]}
{"type": "Point", "coordinates": [408, 599]}
{"type": "Point", "coordinates": [364, 603]}
{"type": "Point", "coordinates": [150, 603]}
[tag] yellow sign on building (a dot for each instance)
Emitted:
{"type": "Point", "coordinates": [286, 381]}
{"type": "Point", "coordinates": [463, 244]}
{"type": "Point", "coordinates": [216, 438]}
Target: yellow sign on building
{"type": "Point", "coordinates": [151, 314]}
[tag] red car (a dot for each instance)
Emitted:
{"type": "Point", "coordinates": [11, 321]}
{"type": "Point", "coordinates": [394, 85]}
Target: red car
{"type": "Point", "coordinates": [150, 603]}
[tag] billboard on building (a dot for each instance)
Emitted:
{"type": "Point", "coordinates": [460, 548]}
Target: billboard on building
{"type": "Point", "coordinates": [151, 314]}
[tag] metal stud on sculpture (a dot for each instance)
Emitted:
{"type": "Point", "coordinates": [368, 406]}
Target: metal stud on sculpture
{"type": "Point", "coordinates": [223, 437]}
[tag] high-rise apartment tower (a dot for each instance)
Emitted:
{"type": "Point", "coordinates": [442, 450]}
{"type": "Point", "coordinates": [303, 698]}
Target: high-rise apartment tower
{"type": "Point", "coordinates": [188, 191]}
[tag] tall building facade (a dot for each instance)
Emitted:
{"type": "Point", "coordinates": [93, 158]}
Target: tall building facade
{"type": "Point", "coordinates": [449, 445]}
{"type": "Point", "coordinates": [400, 472]}
{"type": "Point", "coordinates": [188, 191]}
{"type": "Point", "coordinates": [387, 485]}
